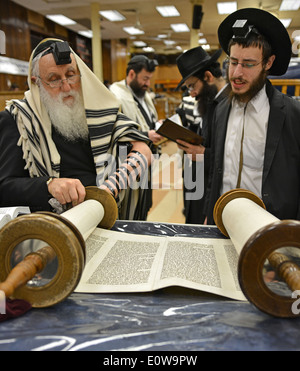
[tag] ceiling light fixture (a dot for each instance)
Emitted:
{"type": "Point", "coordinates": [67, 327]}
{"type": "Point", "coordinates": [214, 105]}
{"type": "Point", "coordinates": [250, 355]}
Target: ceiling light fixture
{"type": "Point", "coordinates": [140, 44]}
{"type": "Point", "coordinates": [61, 19]}
{"type": "Point", "coordinates": [227, 7]}
{"type": "Point", "coordinates": [169, 42]}
{"type": "Point", "coordinates": [168, 11]}
{"type": "Point", "coordinates": [289, 5]}
{"type": "Point", "coordinates": [112, 15]}
{"type": "Point", "coordinates": [203, 41]}
{"type": "Point", "coordinates": [133, 31]}
{"type": "Point", "coordinates": [180, 27]}
{"type": "Point", "coordinates": [87, 33]}
{"type": "Point", "coordinates": [286, 22]}
{"type": "Point", "coordinates": [149, 49]}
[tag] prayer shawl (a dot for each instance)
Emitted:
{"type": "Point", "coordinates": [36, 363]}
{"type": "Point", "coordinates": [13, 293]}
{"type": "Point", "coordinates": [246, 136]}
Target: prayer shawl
{"type": "Point", "coordinates": [130, 106]}
{"type": "Point", "coordinates": [108, 127]}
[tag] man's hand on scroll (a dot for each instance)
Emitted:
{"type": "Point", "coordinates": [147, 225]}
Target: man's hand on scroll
{"type": "Point", "coordinates": [190, 149]}
{"type": "Point", "coordinates": [67, 191]}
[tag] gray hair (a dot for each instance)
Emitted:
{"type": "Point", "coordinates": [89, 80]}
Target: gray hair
{"type": "Point", "coordinates": [35, 66]}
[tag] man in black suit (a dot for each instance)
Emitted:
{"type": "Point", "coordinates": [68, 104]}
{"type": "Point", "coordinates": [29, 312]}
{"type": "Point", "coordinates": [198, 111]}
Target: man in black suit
{"type": "Point", "coordinates": [202, 76]}
{"type": "Point", "coordinates": [257, 141]}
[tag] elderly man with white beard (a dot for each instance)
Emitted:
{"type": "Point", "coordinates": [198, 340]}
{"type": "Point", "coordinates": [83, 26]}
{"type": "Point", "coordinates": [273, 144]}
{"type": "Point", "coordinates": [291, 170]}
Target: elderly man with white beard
{"type": "Point", "coordinates": [63, 136]}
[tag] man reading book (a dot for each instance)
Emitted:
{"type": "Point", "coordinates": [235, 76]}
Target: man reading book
{"type": "Point", "coordinates": [202, 76]}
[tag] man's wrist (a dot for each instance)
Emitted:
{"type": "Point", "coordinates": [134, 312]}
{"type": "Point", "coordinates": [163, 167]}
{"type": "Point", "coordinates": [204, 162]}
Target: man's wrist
{"type": "Point", "coordinates": [50, 180]}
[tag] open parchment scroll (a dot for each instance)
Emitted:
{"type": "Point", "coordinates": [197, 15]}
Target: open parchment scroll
{"type": "Point", "coordinates": [119, 262]}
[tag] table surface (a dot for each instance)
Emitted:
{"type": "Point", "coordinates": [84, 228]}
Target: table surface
{"type": "Point", "coordinates": [174, 319]}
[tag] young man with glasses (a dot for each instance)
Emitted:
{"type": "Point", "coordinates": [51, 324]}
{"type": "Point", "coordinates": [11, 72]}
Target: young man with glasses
{"type": "Point", "coordinates": [257, 141]}
{"type": "Point", "coordinates": [64, 135]}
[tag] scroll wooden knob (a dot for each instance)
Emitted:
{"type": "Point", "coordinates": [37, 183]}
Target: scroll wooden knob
{"type": "Point", "coordinates": [33, 264]}
{"type": "Point", "coordinates": [257, 235]}
{"type": "Point", "coordinates": [65, 236]}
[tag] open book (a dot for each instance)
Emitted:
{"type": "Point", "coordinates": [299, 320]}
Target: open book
{"type": "Point", "coordinates": [9, 213]}
{"type": "Point", "coordinates": [119, 262]}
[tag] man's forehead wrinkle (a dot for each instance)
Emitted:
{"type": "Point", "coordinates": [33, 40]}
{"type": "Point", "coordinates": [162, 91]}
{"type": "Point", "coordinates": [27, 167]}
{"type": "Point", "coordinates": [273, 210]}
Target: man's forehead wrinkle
{"type": "Point", "coordinates": [48, 66]}
{"type": "Point", "coordinates": [58, 73]}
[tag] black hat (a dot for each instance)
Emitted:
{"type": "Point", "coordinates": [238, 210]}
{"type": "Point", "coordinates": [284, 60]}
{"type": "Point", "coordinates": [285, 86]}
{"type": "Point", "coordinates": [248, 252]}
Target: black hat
{"type": "Point", "coordinates": [193, 61]}
{"type": "Point", "coordinates": [264, 23]}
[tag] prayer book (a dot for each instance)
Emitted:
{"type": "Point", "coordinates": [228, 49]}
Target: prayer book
{"type": "Point", "coordinates": [9, 213]}
{"type": "Point", "coordinates": [174, 132]}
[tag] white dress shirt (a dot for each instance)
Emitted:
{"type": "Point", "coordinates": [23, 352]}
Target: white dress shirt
{"type": "Point", "coordinates": [254, 117]}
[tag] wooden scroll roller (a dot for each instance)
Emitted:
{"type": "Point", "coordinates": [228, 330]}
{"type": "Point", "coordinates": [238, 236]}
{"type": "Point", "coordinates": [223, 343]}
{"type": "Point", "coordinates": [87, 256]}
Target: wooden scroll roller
{"type": "Point", "coordinates": [65, 234]}
{"type": "Point", "coordinates": [256, 234]}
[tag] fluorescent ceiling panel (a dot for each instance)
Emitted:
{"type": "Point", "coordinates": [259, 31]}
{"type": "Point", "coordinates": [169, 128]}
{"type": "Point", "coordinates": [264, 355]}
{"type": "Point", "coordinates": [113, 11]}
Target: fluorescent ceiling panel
{"type": "Point", "coordinates": [61, 19]}
{"type": "Point", "coordinates": [140, 44]}
{"type": "Point", "coordinates": [203, 41]}
{"type": "Point", "coordinates": [288, 5]}
{"type": "Point", "coordinates": [169, 42]}
{"type": "Point", "coordinates": [180, 27]}
{"type": "Point", "coordinates": [227, 7]}
{"type": "Point", "coordinates": [149, 49]}
{"type": "Point", "coordinates": [133, 31]}
{"type": "Point", "coordinates": [112, 15]}
{"type": "Point", "coordinates": [168, 11]}
{"type": "Point", "coordinates": [88, 34]}
{"type": "Point", "coordinates": [286, 22]}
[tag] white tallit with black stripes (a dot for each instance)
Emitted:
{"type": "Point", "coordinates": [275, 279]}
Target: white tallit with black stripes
{"type": "Point", "coordinates": [107, 126]}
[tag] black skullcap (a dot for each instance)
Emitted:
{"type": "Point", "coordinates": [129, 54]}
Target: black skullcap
{"type": "Point", "coordinates": [142, 59]}
{"type": "Point", "coordinates": [43, 46]}
{"type": "Point", "coordinates": [60, 50]}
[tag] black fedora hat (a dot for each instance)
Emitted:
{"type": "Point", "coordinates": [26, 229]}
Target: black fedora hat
{"type": "Point", "coordinates": [267, 25]}
{"type": "Point", "coordinates": [193, 61]}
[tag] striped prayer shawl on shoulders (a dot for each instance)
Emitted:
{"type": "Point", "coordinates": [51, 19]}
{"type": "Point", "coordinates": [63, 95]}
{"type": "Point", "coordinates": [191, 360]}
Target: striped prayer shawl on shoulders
{"type": "Point", "coordinates": [107, 126]}
{"type": "Point", "coordinates": [108, 129]}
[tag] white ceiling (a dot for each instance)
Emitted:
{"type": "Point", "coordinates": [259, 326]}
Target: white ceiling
{"type": "Point", "coordinates": [151, 21]}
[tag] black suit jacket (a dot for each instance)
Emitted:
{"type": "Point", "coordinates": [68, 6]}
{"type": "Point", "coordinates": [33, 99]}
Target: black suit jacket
{"type": "Point", "coordinates": [194, 210]}
{"type": "Point", "coordinates": [207, 125]}
{"type": "Point", "coordinates": [281, 172]}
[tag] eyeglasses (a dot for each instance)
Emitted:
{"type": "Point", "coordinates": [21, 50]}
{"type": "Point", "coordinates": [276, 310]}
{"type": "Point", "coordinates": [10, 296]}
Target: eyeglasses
{"type": "Point", "coordinates": [72, 80]}
{"type": "Point", "coordinates": [247, 65]}
{"type": "Point", "coordinates": [191, 87]}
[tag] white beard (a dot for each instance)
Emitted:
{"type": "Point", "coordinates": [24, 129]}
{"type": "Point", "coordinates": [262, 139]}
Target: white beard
{"type": "Point", "coordinates": [69, 119]}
